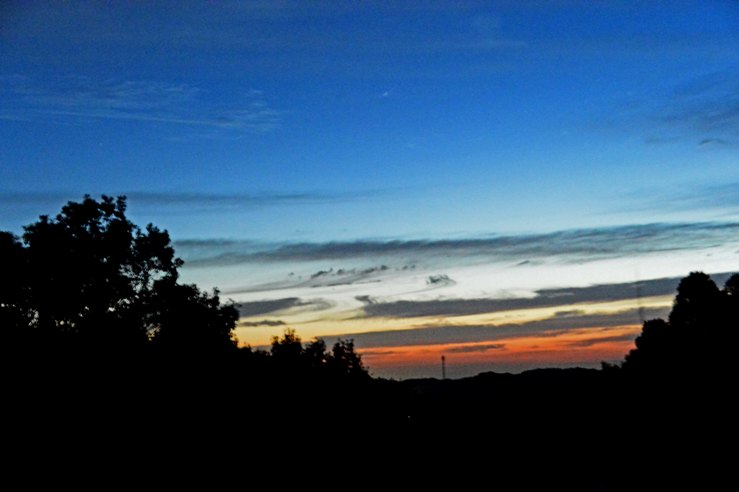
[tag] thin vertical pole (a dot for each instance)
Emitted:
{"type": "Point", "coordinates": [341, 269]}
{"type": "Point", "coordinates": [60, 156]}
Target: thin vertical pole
{"type": "Point", "coordinates": [443, 367]}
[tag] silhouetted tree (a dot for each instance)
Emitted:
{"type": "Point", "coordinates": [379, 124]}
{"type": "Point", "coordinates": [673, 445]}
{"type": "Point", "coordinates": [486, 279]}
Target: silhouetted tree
{"type": "Point", "coordinates": [697, 303]}
{"type": "Point", "coordinates": [731, 288]}
{"type": "Point", "coordinates": [701, 333]}
{"type": "Point", "coordinates": [187, 321]}
{"type": "Point", "coordinates": [345, 361]}
{"type": "Point", "coordinates": [287, 348]}
{"type": "Point", "coordinates": [730, 319]}
{"type": "Point", "coordinates": [289, 355]}
{"type": "Point", "coordinates": [89, 280]}
{"type": "Point", "coordinates": [731, 303]}
{"type": "Point", "coordinates": [15, 308]}
{"type": "Point", "coordinates": [654, 348]}
{"type": "Point", "coordinates": [315, 355]}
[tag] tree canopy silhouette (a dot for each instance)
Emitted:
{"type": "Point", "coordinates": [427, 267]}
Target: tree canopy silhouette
{"type": "Point", "coordinates": [15, 308]}
{"type": "Point", "coordinates": [89, 280]}
{"type": "Point", "coordinates": [700, 334]}
{"type": "Point", "coordinates": [314, 359]}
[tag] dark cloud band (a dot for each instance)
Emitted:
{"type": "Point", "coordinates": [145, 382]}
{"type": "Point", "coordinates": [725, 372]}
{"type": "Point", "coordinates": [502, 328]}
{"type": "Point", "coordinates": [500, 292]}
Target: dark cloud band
{"type": "Point", "coordinates": [550, 327]}
{"type": "Point", "coordinates": [570, 245]}
{"type": "Point", "coordinates": [544, 298]}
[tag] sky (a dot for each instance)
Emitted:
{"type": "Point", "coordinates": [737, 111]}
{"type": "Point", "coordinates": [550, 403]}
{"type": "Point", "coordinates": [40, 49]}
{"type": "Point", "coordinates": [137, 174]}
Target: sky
{"type": "Point", "coordinates": [511, 184]}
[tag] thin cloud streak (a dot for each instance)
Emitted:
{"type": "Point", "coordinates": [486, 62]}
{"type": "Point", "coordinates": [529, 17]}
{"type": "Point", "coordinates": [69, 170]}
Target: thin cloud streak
{"type": "Point", "coordinates": [194, 202]}
{"type": "Point", "coordinates": [699, 110]}
{"type": "Point", "coordinates": [258, 308]}
{"type": "Point", "coordinates": [223, 202]}
{"type": "Point", "coordinates": [711, 197]}
{"type": "Point", "coordinates": [282, 306]}
{"type": "Point", "coordinates": [708, 104]}
{"type": "Point", "coordinates": [723, 196]}
{"type": "Point", "coordinates": [544, 298]}
{"type": "Point", "coordinates": [704, 110]}
{"type": "Point", "coordinates": [80, 98]}
{"type": "Point", "coordinates": [549, 327]}
{"type": "Point", "coordinates": [571, 245]}
{"type": "Point", "coordinates": [257, 324]}
{"type": "Point", "coordinates": [626, 337]}
{"type": "Point", "coordinates": [466, 349]}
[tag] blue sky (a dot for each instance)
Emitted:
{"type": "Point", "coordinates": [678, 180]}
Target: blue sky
{"type": "Point", "coordinates": [255, 125]}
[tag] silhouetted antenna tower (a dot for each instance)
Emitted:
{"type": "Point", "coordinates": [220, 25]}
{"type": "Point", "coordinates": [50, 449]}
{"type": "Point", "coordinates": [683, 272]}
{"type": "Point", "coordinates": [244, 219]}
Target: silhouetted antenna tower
{"type": "Point", "coordinates": [443, 367]}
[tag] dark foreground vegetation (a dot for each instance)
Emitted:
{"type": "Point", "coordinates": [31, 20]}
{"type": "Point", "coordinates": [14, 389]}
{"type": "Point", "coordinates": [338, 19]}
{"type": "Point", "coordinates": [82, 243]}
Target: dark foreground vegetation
{"type": "Point", "coordinates": [105, 351]}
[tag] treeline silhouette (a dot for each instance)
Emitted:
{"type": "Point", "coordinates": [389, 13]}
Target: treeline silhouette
{"type": "Point", "coordinates": [91, 307]}
{"type": "Point", "coordinates": [90, 286]}
{"type": "Point", "coordinates": [101, 341]}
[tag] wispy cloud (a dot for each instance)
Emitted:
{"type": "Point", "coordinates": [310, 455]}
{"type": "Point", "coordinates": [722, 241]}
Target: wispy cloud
{"type": "Point", "coordinates": [378, 353]}
{"type": "Point", "coordinates": [484, 347]}
{"type": "Point", "coordinates": [441, 280]}
{"type": "Point", "coordinates": [589, 342]}
{"type": "Point", "coordinates": [710, 102]}
{"type": "Point", "coordinates": [707, 107]}
{"type": "Point", "coordinates": [707, 143]}
{"type": "Point", "coordinates": [594, 324]}
{"type": "Point", "coordinates": [661, 140]}
{"type": "Point", "coordinates": [719, 196]}
{"type": "Point", "coordinates": [544, 298]}
{"type": "Point", "coordinates": [282, 306]}
{"type": "Point", "coordinates": [571, 245]}
{"type": "Point", "coordinates": [192, 202]}
{"type": "Point", "coordinates": [264, 322]}
{"type": "Point", "coordinates": [699, 110]}
{"type": "Point", "coordinates": [259, 308]}
{"type": "Point", "coordinates": [80, 98]}
{"type": "Point", "coordinates": [572, 312]}
{"type": "Point", "coordinates": [33, 199]}
{"type": "Point", "coordinates": [709, 197]}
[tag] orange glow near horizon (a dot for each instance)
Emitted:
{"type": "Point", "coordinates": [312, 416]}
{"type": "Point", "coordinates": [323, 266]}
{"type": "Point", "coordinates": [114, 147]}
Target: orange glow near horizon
{"type": "Point", "coordinates": [560, 347]}
{"type": "Point", "coordinates": [349, 322]}
{"type": "Point", "coordinates": [575, 347]}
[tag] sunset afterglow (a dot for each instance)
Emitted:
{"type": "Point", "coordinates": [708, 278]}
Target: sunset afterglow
{"type": "Point", "coordinates": [511, 185]}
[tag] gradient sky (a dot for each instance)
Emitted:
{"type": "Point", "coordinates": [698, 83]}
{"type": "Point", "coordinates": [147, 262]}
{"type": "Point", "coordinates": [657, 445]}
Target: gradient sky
{"type": "Point", "coordinates": [485, 180]}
